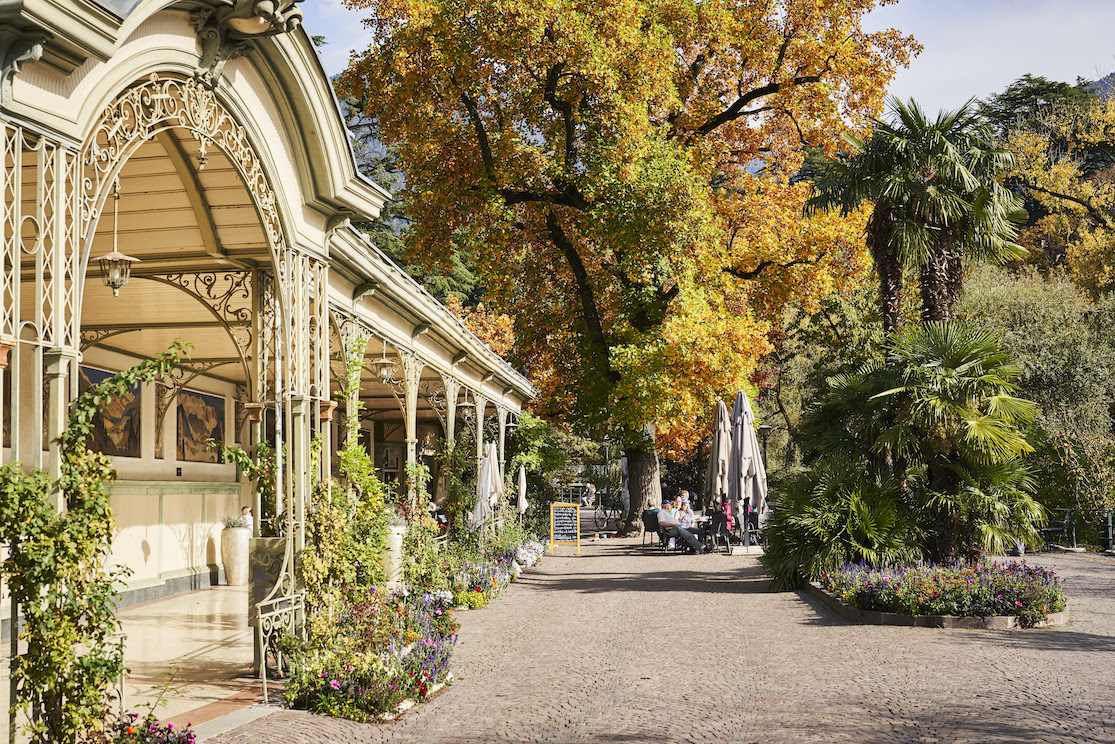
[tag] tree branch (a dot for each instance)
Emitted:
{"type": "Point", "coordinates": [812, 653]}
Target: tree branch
{"type": "Point", "coordinates": [764, 265]}
{"type": "Point", "coordinates": [481, 137]}
{"type": "Point", "coordinates": [589, 309]}
{"type": "Point", "coordinates": [738, 108]}
{"type": "Point", "coordinates": [1094, 213]}
{"type": "Point", "coordinates": [565, 109]}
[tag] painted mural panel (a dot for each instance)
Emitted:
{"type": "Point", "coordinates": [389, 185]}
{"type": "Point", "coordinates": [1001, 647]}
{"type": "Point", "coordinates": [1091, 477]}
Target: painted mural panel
{"type": "Point", "coordinates": [116, 428]}
{"type": "Point", "coordinates": [201, 417]}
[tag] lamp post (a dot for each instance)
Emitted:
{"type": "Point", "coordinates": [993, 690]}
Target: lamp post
{"type": "Point", "coordinates": [764, 432]}
{"type": "Point", "coordinates": [607, 471]}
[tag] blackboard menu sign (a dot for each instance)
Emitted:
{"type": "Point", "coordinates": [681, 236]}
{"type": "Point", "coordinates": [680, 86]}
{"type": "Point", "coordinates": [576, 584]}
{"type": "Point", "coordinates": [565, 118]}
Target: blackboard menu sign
{"type": "Point", "coordinates": [565, 525]}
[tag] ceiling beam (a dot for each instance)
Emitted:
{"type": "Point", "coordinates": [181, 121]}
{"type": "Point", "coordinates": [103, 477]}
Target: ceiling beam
{"type": "Point", "coordinates": [147, 325]}
{"type": "Point", "coordinates": [195, 193]}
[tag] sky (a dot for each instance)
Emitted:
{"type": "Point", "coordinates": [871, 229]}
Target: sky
{"type": "Point", "coordinates": [972, 47]}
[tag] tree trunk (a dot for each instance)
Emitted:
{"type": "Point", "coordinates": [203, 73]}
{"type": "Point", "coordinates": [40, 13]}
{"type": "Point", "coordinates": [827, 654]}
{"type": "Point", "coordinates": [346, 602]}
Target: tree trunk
{"type": "Point", "coordinates": [644, 483]}
{"type": "Point", "coordinates": [942, 479]}
{"type": "Point", "coordinates": [938, 289]}
{"type": "Point", "coordinates": [888, 268]}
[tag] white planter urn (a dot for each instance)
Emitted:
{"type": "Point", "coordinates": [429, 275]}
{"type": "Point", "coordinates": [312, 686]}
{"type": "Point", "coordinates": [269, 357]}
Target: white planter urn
{"type": "Point", "coordinates": [393, 558]}
{"type": "Point", "coordinates": [234, 554]}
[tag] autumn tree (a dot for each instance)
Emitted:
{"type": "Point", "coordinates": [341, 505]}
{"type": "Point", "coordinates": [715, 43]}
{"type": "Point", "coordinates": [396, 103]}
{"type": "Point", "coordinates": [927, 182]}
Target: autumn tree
{"type": "Point", "coordinates": [618, 172]}
{"type": "Point", "coordinates": [1066, 163]}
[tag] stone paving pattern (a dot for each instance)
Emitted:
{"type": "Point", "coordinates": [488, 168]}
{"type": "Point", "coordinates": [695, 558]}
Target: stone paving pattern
{"type": "Point", "coordinates": [624, 644]}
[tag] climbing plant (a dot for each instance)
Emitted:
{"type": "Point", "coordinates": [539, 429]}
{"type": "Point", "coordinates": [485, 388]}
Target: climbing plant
{"type": "Point", "coordinates": [58, 573]}
{"type": "Point", "coordinates": [260, 469]}
{"type": "Point", "coordinates": [346, 526]}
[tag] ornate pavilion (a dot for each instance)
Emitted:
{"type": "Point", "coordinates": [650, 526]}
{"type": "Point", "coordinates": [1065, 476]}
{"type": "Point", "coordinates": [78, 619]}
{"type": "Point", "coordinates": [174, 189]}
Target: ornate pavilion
{"type": "Point", "coordinates": [202, 139]}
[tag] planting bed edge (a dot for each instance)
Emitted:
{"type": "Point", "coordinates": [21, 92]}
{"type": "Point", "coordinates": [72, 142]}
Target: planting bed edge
{"type": "Point", "coordinates": [874, 617]}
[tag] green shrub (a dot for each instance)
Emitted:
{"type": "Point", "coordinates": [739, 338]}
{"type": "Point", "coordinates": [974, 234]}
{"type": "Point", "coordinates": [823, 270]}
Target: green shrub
{"type": "Point", "coordinates": [833, 514]}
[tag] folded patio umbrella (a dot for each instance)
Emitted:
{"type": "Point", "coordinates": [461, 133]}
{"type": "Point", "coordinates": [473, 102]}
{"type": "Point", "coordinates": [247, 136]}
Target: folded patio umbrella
{"type": "Point", "coordinates": [716, 477]}
{"type": "Point", "coordinates": [488, 488]}
{"type": "Point", "coordinates": [522, 504]}
{"type": "Point", "coordinates": [747, 476]}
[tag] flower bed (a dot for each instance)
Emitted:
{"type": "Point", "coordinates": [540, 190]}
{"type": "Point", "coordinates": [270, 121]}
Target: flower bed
{"type": "Point", "coordinates": [476, 583]}
{"type": "Point", "coordinates": [1030, 593]}
{"type": "Point", "coordinates": [387, 648]}
{"type": "Point", "coordinates": [130, 728]}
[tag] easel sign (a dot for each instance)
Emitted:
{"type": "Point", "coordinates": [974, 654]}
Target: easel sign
{"type": "Point", "coordinates": [565, 525]}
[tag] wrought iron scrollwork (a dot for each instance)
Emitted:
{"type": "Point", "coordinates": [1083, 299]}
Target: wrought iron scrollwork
{"type": "Point", "coordinates": [166, 390]}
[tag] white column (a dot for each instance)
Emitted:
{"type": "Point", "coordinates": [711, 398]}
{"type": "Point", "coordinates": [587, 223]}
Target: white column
{"type": "Point", "coordinates": [59, 366]}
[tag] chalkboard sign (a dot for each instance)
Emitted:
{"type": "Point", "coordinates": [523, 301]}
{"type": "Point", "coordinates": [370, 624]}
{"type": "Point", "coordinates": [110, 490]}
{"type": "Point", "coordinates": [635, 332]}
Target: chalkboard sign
{"type": "Point", "coordinates": [565, 525]}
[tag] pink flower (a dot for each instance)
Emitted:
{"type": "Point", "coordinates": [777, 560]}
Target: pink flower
{"type": "Point", "coordinates": [1017, 603]}
{"type": "Point", "coordinates": [334, 684]}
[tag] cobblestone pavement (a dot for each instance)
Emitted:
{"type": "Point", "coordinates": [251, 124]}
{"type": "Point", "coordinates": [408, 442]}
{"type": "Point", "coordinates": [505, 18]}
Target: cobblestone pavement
{"type": "Point", "coordinates": [627, 645]}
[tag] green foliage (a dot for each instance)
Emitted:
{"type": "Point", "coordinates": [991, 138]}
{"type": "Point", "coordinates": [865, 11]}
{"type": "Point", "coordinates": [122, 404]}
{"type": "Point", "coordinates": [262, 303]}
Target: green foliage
{"type": "Point", "coordinates": [1062, 342]}
{"type": "Point", "coordinates": [260, 469]}
{"type": "Point", "coordinates": [423, 564]}
{"type": "Point", "coordinates": [839, 336]}
{"type": "Point", "coordinates": [835, 513]}
{"type": "Point", "coordinates": [346, 530]}
{"type": "Point", "coordinates": [932, 441]}
{"type": "Point", "coordinates": [1028, 99]}
{"type": "Point", "coordinates": [56, 570]}
{"type": "Point", "coordinates": [1059, 337]}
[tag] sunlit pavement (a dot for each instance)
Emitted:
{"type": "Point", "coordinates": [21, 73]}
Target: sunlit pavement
{"type": "Point", "coordinates": [192, 651]}
{"type": "Point", "coordinates": [626, 644]}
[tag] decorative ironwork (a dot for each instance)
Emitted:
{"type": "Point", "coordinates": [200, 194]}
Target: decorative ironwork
{"type": "Point", "coordinates": [436, 396]}
{"type": "Point", "coordinates": [267, 340]}
{"type": "Point", "coordinates": [92, 336]}
{"type": "Point", "coordinates": [167, 389]}
{"type": "Point", "coordinates": [229, 297]}
{"type": "Point", "coordinates": [158, 104]}
{"type": "Point", "coordinates": [39, 240]}
{"type": "Point", "coordinates": [240, 416]}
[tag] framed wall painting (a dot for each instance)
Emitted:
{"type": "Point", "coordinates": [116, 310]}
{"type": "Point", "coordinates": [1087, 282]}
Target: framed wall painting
{"type": "Point", "coordinates": [116, 427]}
{"type": "Point", "coordinates": [201, 417]}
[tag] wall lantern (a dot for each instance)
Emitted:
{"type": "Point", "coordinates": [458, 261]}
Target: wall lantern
{"type": "Point", "coordinates": [384, 368]}
{"type": "Point", "coordinates": [115, 266]}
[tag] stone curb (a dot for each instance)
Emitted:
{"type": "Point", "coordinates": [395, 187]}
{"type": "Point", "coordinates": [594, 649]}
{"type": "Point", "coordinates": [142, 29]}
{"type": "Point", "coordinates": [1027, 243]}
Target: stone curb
{"type": "Point", "coordinates": [875, 617]}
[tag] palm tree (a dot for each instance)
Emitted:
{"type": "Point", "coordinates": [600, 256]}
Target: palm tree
{"type": "Point", "coordinates": [937, 200]}
{"type": "Point", "coordinates": [952, 412]}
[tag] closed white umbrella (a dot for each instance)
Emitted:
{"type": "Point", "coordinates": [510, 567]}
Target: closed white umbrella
{"type": "Point", "coordinates": [747, 476]}
{"type": "Point", "coordinates": [484, 489]}
{"type": "Point", "coordinates": [494, 483]}
{"type": "Point", "coordinates": [716, 477]}
{"type": "Point", "coordinates": [522, 504]}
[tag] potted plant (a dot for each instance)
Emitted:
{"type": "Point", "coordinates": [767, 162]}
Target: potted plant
{"type": "Point", "coordinates": [393, 558]}
{"type": "Point", "coordinates": [234, 550]}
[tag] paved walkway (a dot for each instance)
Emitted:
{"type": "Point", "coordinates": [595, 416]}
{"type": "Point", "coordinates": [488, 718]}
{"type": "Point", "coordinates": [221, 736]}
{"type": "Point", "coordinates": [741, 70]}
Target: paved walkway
{"type": "Point", "coordinates": [625, 645]}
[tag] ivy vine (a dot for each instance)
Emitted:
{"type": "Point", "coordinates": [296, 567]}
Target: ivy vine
{"type": "Point", "coordinates": [58, 574]}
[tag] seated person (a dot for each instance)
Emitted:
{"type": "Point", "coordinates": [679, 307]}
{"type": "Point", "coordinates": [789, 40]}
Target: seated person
{"type": "Point", "coordinates": [673, 528]}
{"type": "Point", "coordinates": [685, 516]}
{"type": "Point", "coordinates": [588, 496]}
